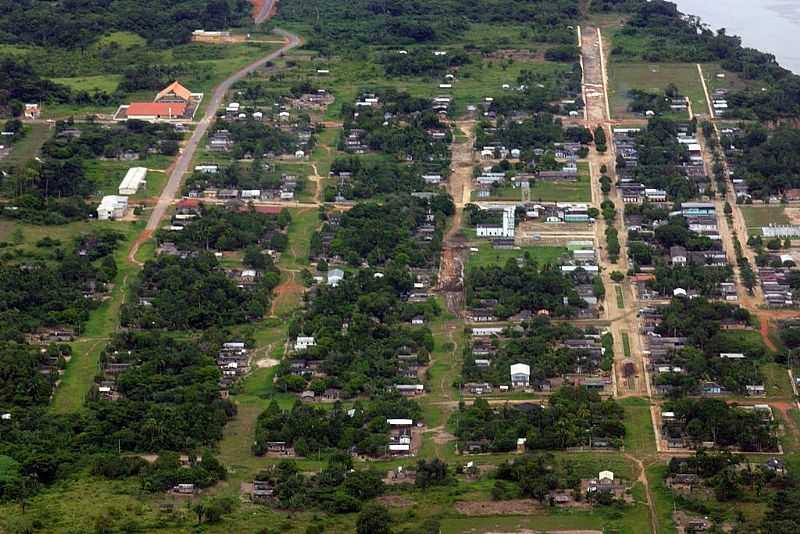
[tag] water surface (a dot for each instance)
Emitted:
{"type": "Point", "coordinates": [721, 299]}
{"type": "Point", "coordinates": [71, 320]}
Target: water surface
{"type": "Point", "coordinates": [769, 25]}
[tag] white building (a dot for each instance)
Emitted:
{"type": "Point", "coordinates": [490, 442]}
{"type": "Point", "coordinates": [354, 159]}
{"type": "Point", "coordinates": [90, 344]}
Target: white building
{"type": "Point", "coordinates": [208, 169]}
{"type": "Point", "coordinates": [134, 178]}
{"type": "Point", "coordinates": [506, 229]}
{"type": "Point", "coordinates": [520, 375]}
{"type": "Point", "coordinates": [335, 276]}
{"type": "Point", "coordinates": [112, 207]}
{"type": "Point", "coordinates": [303, 342]}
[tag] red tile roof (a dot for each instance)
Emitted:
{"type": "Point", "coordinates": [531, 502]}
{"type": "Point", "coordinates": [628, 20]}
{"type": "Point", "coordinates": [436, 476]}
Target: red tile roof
{"type": "Point", "coordinates": [176, 89]}
{"type": "Point", "coordinates": [188, 203]}
{"type": "Point", "coordinates": [157, 109]}
{"type": "Point", "coordinates": [269, 210]}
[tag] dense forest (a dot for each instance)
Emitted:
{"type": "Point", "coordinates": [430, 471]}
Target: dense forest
{"type": "Point", "coordinates": [51, 294]}
{"type": "Point", "coordinates": [345, 24]}
{"type": "Point", "coordinates": [725, 424]}
{"type": "Point", "coordinates": [768, 160]}
{"type": "Point", "coordinates": [660, 158]}
{"type": "Point", "coordinates": [20, 84]}
{"type": "Point", "coordinates": [372, 178]}
{"type": "Point", "coordinates": [221, 229]}
{"type": "Point", "coordinates": [77, 24]}
{"type": "Point", "coordinates": [699, 320]}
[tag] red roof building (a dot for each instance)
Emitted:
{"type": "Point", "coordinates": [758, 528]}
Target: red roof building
{"type": "Point", "coordinates": [156, 110]}
{"type": "Point", "coordinates": [268, 210]}
{"type": "Point", "coordinates": [188, 203]}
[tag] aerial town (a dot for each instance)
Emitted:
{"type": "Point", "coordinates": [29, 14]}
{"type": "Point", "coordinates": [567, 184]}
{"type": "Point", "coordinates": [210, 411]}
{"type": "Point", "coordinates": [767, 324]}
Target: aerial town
{"type": "Point", "coordinates": [448, 266]}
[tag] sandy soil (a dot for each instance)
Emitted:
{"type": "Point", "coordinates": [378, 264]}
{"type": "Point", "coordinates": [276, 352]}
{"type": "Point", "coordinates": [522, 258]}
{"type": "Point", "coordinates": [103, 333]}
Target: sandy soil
{"type": "Point", "coordinates": [266, 363]}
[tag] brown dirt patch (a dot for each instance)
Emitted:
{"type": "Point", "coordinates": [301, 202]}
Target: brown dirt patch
{"type": "Point", "coordinates": [287, 292]}
{"type": "Point", "coordinates": [793, 214]}
{"type": "Point", "coordinates": [395, 501]}
{"type": "Point", "coordinates": [514, 506]}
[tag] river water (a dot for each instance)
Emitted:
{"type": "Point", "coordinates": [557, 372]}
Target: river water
{"type": "Point", "coordinates": [771, 26]}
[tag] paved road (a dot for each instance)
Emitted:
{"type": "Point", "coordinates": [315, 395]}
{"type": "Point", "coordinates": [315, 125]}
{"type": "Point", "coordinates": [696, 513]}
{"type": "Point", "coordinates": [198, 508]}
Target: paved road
{"type": "Point", "coordinates": [185, 159]}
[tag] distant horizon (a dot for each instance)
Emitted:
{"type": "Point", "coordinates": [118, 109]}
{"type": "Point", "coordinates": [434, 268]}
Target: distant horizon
{"type": "Point", "coordinates": [777, 30]}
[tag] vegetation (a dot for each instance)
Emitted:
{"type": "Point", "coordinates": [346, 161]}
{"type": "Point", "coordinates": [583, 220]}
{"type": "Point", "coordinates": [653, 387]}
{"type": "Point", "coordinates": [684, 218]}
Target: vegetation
{"type": "Point", "coordinates": [573, 417]}
{"type": "Point", "coordinates": [528, 287]}
{"type": "Point", "coordinates": [193, 293]}
{"type": "Point", "coordinates": [539, 345]}
{"type": "Point", "coordinates": [360, 357]}
{"type": "Point", "coordinates": [39, 23]}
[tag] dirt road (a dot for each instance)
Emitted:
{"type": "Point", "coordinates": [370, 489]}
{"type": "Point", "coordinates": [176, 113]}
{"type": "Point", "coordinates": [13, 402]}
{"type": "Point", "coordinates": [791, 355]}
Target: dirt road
{"type": "Point", "coordinates": [185, 158]}
{"type": "Point", "coordinates": [181, 165]}
{"type": "Point", "coordinates": [265, 10]}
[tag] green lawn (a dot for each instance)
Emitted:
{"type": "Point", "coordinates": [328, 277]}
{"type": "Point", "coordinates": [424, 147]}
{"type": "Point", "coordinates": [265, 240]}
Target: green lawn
{"type": "Point", "coordinates": [777, 381]}
{"type": "Point", "coordinates": [101, 82]}
{"type": "Point", "coordinates": [108, 174]}
{"type": "Point", "coordinates": [620, 297]}
{"type": "Point", "coordinates": [579, 191]}
{"type": "Point", "coordinates": [662, 498]}
{"type": "Point", "coordinates": [626, 344]}
{"type": "Point", "coordinates": [488, 256]}
{"type": "Point", "coordinates": [653, 78]}
{"type": "Point", "coordinates": [756, 217]}
{"type": "Point", "coordinates": [639, 436]}
{"type": "Point", "coordinates": [500, 193]}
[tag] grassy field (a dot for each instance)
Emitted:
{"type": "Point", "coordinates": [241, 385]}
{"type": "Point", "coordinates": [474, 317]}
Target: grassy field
{"type": "Point", "coordinates": [662, 498]}
{"type": "Point", "coordinates": [487, 256]}
{"type": "Point", "coordinates": [732, 81]}
{"type": "Point", "coordinates": [100, 82]}
{"type": "Point", "coordinates": [477, 80]}
{"type": "Point", "coordinates": [580, 191]}
{"type": "Point", "coordinates": [653, 78]}
{"type": "Point", "coordinates": [108, 174]}
{"type": "Point", "coordinates": [639, 436]}
{"type": "Point", "coordinates": [500, 193]}
{"type": "Point", "coordinates": [777, 381]}
{"type": "Point", "coordinates": [755, 217]}
{"type": "Point", "coordinates": [28, 147]}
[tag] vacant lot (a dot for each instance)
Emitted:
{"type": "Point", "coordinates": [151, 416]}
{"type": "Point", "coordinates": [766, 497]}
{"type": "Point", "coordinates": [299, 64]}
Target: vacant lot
{"type": "Point", "coordinates": [580, 191]}
{"type": "Point", "coordinates": [487, 256]}
{"type": "Point", "coordinates": [653, 78]}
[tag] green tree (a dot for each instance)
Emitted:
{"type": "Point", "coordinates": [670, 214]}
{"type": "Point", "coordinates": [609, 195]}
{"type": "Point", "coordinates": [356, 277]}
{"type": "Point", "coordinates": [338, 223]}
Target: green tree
{"type": "Point", "coordinates": [374, 519]}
